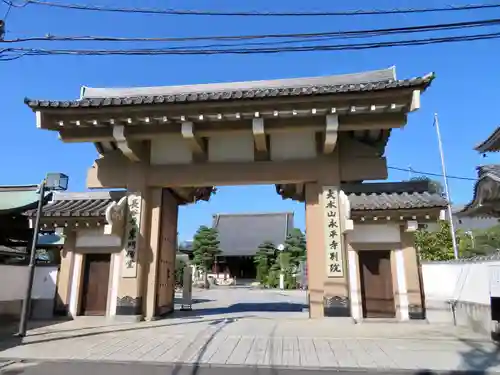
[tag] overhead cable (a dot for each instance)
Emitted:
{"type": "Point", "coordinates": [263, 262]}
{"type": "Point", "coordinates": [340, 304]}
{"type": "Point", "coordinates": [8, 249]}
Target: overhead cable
{"type": "Point", "coordinates": [432, 174]}
{"type": "Point", "coordinates": [245, 50]}
{"type": "Point", "coordinates": [194, 12]}
{"type": "Point", "coordinates": [363, 33]}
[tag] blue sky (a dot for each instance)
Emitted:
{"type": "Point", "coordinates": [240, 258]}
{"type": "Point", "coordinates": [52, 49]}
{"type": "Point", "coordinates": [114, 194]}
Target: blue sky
{"type": "Point", "coordinates": [465, 92]}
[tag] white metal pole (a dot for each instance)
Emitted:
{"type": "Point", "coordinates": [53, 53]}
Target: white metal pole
{"type": "Point", "coordinates": [446, 190]}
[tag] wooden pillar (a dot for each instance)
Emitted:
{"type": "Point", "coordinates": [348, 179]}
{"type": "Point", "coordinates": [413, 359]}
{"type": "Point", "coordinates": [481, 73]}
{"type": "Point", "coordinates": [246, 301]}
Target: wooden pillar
{"type": "Point", "coordinates": [136, 246]}
{"type": "Point", "coordinates": [334, 247]}
{"type": "Point", "coordinates": [412, 272]}
{"type": "Point", "coordinates": [165, 280]}
{"type": "Point", "coordinates": [65, 274]}
{"type": "Point", "coordinates": [334, 255]}
{"type": "Point", "coordinates": [151, 257]}
{"type": "Point", "coordinates": [315, 249]}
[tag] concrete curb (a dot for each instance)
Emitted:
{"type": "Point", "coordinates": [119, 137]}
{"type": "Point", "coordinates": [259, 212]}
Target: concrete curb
{"type": "Point", "coordinates": [273, 370]}
{"type": "Point", "coordinates": [6, 364]}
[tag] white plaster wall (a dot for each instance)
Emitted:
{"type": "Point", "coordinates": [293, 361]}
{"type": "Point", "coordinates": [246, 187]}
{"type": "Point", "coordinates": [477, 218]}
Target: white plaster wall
{"type": "Point", "coordinates": [465, 282]}
{"type": "Point", "coordinates": [293, 145]}
{"type": "Point", "coordinates": [13, 281]}
{"type": "Point", "coordinates": [231, 147]}
{"type": "Point", "coordinates": [170, 149]}
{"type": "Point", "coordinates": [96, 238]}
{"type": "Point", "coordinates": [374, 233]}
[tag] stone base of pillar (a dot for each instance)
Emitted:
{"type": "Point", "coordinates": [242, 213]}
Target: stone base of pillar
{"type": "Point", "coordinates": [416, 312]}
{"type": "Point", "coordinates": [128, 318]}
{"type": "Point", "coordinates": [336, 306]}
{"type": "Point", "coordinates": [129, 306]}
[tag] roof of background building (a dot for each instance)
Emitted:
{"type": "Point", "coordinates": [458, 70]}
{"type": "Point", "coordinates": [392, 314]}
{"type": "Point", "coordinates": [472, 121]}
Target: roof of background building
{"type": "Point", "coordinates": [241, 234]}
{"type": "Point", "coordinates": [486, 198]}
{"type": "Point", "coordinates": [490, 144]}
{"type": "Point", "coordinates": [19, 198]}
{"type": "Point", "coordinates": [376, 80]}
{"type": "Point", "coordinates": [392, 196]}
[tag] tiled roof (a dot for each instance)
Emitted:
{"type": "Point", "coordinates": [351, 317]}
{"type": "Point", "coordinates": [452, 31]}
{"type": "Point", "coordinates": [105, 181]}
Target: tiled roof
{"type": "Point", "coordinates": [241, 234]}
{"type": "Point", "coordinates": [92, 204]}
{"type": "Point", "coordinates": [328, 85]}
{"type": "Point", "coordinates": [19, 198]}
{"type": "Point", "coordinates": [490, 144]}
{"type": "Point", "coordinates": [392, 196]}
{"type": "Point", "coordinates": [486, 197]}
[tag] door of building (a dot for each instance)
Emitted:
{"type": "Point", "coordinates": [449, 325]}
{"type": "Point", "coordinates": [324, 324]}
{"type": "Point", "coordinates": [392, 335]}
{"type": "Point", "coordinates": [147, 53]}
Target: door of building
{"type": "Point", "coordinates": [95, 284]}
{"type": "Point", "coordinates": [376, 284]}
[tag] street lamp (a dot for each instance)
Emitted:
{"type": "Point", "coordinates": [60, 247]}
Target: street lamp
{"type": "Point", "coordinates": [281, 248]}
{"type": "Point", "coordinates": [51, 182]}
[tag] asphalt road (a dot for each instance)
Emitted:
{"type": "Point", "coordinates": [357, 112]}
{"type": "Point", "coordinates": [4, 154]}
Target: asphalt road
{"type": "Point", "coordinates": [97, 368]}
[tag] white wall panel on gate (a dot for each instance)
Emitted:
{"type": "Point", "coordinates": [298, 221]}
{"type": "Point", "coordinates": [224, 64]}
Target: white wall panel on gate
{"type": "Point", "coordinates": [293, 145]}
{"type": "Point", "coordinates": [231, 147]}
{"type": "Point", "coordinates": [170, 149]}
{"type": "Point", "coordinates": [96, 238]}
{"type": "Point", "coordinates": [374, 233]}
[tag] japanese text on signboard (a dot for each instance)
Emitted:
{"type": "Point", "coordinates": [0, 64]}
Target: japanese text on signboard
{"type": "Point", "coordinates": [131, 235]}
{"type": "Point", "coordinates": [333, 238]}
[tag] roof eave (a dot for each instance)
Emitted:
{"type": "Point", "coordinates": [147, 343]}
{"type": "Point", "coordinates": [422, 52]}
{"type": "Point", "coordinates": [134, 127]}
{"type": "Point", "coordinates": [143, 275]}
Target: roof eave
{"type": "Point", "coordinates": [417, 83]}
{"type": "Point", "coordinates": [490, 144]}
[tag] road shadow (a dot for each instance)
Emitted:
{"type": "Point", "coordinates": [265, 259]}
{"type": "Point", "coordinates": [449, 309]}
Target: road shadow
{"type": "Point", "coordinates": [247, 307]}
{"type": "Point", "coordinates": [480, 358]}
{"type": "Point", "coordinates": [11, 326]}
{"type": "Point", "coordinates": [13, 341]}
{"type": "Point", "coordinates": [194, 301]}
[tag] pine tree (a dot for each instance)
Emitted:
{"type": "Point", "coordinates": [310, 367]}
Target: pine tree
{"type": "Point", "coordinates": [263, 260]}
{"type": "Point", "coordinates": [205, 249]}
{"type": "Point", "coordinates": [295, 245]}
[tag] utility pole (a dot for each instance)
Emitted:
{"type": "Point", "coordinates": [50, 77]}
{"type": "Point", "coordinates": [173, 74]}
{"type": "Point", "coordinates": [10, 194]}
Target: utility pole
{"type": "Point", "coordinates": [446, 190]}
{"type": "Point", "coordinates": [26, 307]}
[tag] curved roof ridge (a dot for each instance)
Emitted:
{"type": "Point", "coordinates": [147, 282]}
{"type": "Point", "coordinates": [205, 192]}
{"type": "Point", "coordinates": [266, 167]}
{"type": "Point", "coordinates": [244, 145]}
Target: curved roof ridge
{"type": "Point", "coordinates": [349, 78]}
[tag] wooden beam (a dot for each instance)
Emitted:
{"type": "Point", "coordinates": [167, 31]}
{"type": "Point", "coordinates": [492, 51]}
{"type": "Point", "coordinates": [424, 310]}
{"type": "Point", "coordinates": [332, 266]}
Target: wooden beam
{"type": "Point", "coordinates": [195, 143]}
{"type": "Point", "coordinates": [109, 172]}
{"type": "Point", "coordinates": [130, 151]}
{"type": "Point", "coordinates": [415, 101]}
{"type": "Point", "coordinates": [259, 134]}
{"type": "Point", "coordinates": [72, 135]}
{"type": "Point", "coordinates": [331, 133]}
{"type": "Point", "coordinates": [207, 129]}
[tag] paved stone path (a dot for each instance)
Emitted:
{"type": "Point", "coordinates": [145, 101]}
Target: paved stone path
{"type": "Point", "coordinates": [86, 367]}
{"type": "Point", "coordinates": [260, 341]}
{"type": "Point", "coordinates": [247, 330]}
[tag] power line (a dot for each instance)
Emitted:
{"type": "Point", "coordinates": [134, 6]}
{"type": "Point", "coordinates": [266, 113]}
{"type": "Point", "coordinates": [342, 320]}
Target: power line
{"type": "Point", "coordinates": [242, 49]}
{"type": "Point", "coordinates": [359, 12]}
{"type": "Point", "coordinates": [432, 174]}
{"type": "Point", "coordinates": [363, 33]}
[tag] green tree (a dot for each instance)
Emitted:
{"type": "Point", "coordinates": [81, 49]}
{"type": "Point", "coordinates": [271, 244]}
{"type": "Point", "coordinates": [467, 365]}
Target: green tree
{"type": "Point", "coordinates": [435, 187]}
{"type": "Point", "coordinates": [295, 245]}
{"type": "Point", "coordinates": [180, 264]}
{"type": "Point", "coordinates": [205, 249]}
{"type": "Point", "coordinates": [264, 258]}
{"type": "Point", "coordinates": [480, 242]}
{"type": "Point", "coordinates": [437, 245]}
